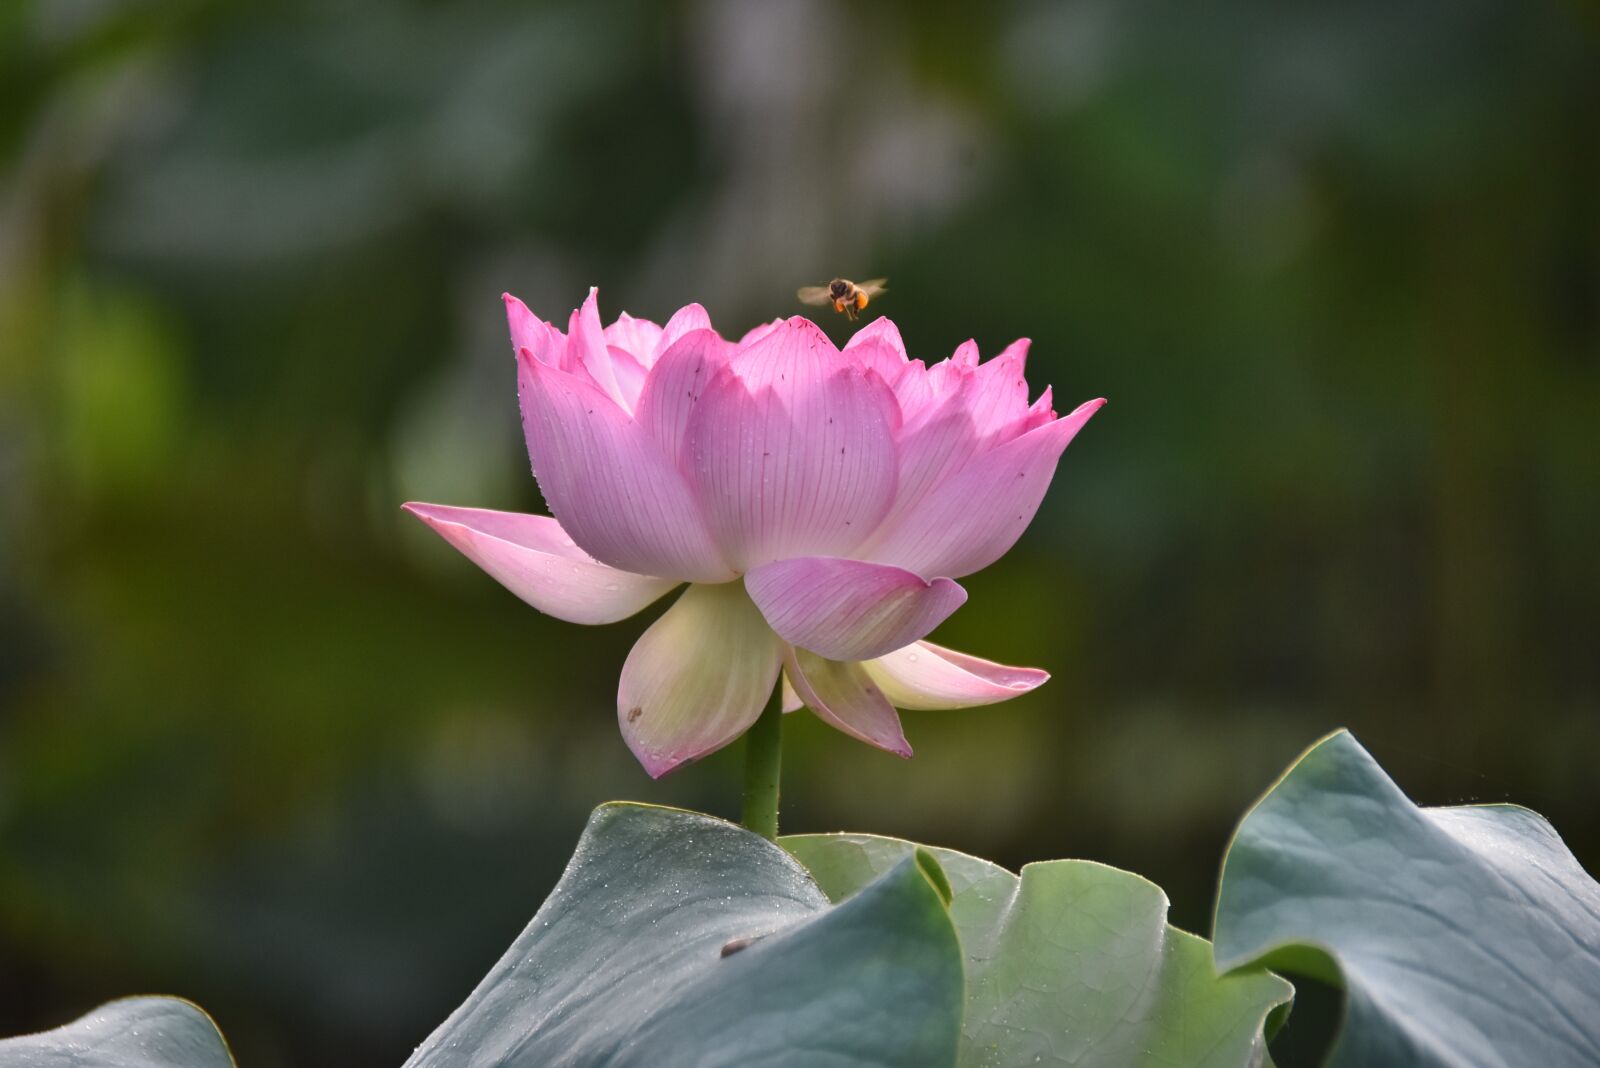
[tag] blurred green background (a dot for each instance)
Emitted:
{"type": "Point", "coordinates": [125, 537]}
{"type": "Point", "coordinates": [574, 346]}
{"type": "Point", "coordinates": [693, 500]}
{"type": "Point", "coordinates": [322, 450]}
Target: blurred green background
{"type": "Point", "coordinates": [269, 744]}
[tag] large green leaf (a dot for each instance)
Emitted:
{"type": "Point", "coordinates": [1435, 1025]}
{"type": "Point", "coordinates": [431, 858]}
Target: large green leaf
{"type": "Point", "coordinates": [131, 1033]}
{"type": "Point", "coordinates": [1461, 936]}
{"type": "Point", "coordinates": [1072, 963]}
{"type": "Point", "coordinates": [678, 939]}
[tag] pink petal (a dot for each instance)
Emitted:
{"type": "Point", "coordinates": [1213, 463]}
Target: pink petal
{"type": "Point", "coordinates": [969, 520]}
{"type": "Point", "coordinates": [675, 384]}
{"type": "Point", "coordinates": [697, 678]}
{"type": "Point", "coordinates": [940, 441]}
{"type": "Point", "coordinates": [530, 332]}
{"type": "Point", "coordinates": [849, 609]}
{"type": "Point", "coordinates": [999, 399]}
{"type": "Point", "coordinates": [878, 346]}
{"type": "Point", "coordinates": [636, 337]}
{"type": "Point", "coordinates": [912, 390]}
{"type": "Point", "coordinates": [925, 676]}
{"type": "Point", "coordinates": [791, 450]}
{"type": "Point", "coordinates": [880, 331]}
{"type": "Point", "coordinates": [686, 320]}
{"type": "Point", "coordinates": [608, 484]}
{"type": "Point", "coordinates": [878, 357]}
{"type": "Point", "coordinates": [586, 346]}
{"type": "Point", "coordinates": [630, 375]}
{"type": "Point", "coordinates": [1040, 412]}
{"type": "Point", "coordinates": [947, 376]}
{"type": "Point", "coordinates": [531, 556]}
{"type": "Point", "coordinates": [981, 409]}
{"type": "Point", "coordinates": [844, 696]}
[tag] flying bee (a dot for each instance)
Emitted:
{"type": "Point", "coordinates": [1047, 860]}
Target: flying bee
{"type": "Point", "coordinates": [846, 296]}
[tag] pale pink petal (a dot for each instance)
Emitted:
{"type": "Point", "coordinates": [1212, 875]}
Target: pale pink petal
{"type": "Point", "coordinates": [849, 609]}
{"type": "Point", "coordinates": [686, 320]}
{"type": "Point", "coordinates": [925, 676]}
{"type": "Point", "coordinates": [608, 484]}
{"type": "Point", "coordinates": [675, 384]}
{"type": "Point", "coordinates": [879, 331]}
{"type": "Point", "coordinates": [972, 517]}
{"type": "Point", "coordinates": [697, 678]}
{"type": "Point", "coordinates": [636, 337]}
{"type": "Point", "coordinates": [791, 451]}
{"type": "Point", "coordinates": [530, 332]}
{"type": "Point", "coordinates": [844, 696]}
{"type": "Point", "coordinates": [531, 556]}
{"type": "Point", "coordinates": [586, 346]}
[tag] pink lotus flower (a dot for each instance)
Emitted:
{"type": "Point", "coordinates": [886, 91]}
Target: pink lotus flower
{"type": "Point", "coordinates": [819, 503]}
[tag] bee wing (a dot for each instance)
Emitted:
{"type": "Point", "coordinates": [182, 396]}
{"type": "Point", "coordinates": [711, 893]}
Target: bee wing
{"type": "Point", "coordinates": [874, 287]}
{"type": "Point", "coordinates": [814, 295]}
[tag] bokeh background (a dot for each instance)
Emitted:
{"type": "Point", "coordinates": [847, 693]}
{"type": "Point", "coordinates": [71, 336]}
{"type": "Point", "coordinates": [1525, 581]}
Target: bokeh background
{"type": "Point", "coordinates": [267, 743]}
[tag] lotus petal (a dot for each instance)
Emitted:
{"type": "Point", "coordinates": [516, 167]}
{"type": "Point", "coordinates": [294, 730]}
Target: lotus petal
{"type": "Point", "coordinates": [531, 556]}
{"type": "Point", "coordinates": [968, 520]}
{"type": "Point", "coordinates": [686, 320]}
{"type": "Point", "coordinates": [849, 609]}
{"type": "Point", "coordinates": [675, 385]}
{"type": "Point", "coordinates": [925, 676]}
{"type": "Point", "coordinates": [637, 337]}
{"type": "Point", "coordinates": [844, 696]}
{"type": "Point", "coordinates": [698, 678]}
{"type": "Point", "coordinates": [791, 451]}
{"type": "Point", "coordinates": [530, 332]}
{"type": "Point", "coordinates": [586, 347]}
{"type": "Point", "coordinates": [608, 484]}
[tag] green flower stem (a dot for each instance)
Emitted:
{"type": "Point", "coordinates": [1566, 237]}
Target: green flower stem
{"type": "Point", "coordinates": [763, 761]}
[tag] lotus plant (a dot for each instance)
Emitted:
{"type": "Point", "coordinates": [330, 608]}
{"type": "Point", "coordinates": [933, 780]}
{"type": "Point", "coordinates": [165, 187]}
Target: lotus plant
{"type": "Point", "coordinates": [819, 503]}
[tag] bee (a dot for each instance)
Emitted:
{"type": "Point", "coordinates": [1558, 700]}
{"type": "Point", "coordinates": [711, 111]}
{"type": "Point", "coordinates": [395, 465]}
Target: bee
{"type": "Point", "coordinates": [846, 296]}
